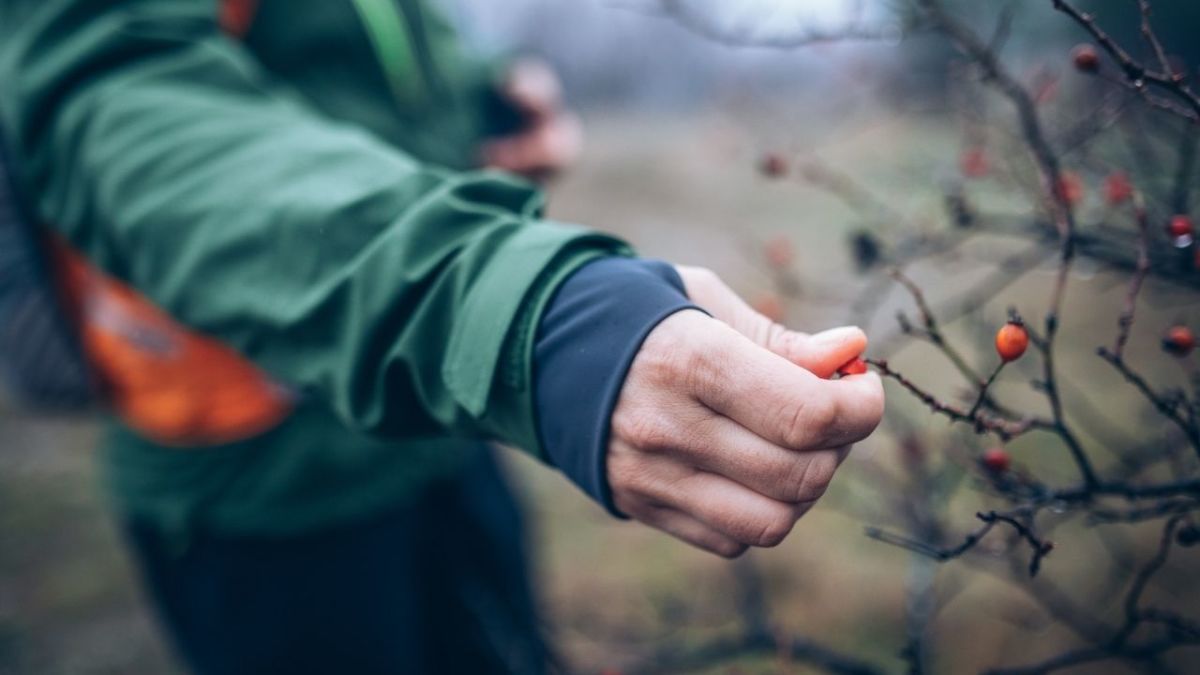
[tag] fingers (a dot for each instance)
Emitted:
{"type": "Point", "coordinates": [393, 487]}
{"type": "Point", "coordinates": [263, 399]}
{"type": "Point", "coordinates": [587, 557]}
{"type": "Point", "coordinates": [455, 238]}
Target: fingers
{"type": "Point", "coordinates": [778, 401]}
{"type": "Point", "coordinates": [683, 527]}
{"type": "Point", "coordinates": [701, 439]}
{"type": "Point", "coordinates": [728, 508]}
{"type": "Point", "coordinates": [548, 146]}
{"type": "Point", "coordinates": [534, 89]}
{"type": "Point", "coordinates": [717, 439]}
{"type": "Point", "coordinates": [822, 354]}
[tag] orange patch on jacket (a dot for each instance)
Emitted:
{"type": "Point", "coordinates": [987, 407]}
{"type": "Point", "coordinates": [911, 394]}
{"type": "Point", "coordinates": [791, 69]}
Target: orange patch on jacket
{"type": "Point", "coordinates": [169, 383]}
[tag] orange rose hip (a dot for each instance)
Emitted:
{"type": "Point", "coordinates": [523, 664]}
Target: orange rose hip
{"type": "Point", "coordinates": [1011, 341]}
{"type": "Point", "coordinates": [855, 366]}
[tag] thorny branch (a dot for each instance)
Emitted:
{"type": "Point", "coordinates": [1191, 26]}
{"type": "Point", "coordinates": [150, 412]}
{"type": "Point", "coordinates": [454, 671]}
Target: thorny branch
{"type": "Point", "coordinates": [1137, 73]}
{"type": "Point", "coordinates": [982, 422]}
{"type": "Point", "coordinates": [1174, 408]}
{"type": "Point", "coordinates": [1125, 322]}
{"type": "Point", "coordinates": [1040, 547]}
{"type": "Point", "coordinates": [1181, 631]}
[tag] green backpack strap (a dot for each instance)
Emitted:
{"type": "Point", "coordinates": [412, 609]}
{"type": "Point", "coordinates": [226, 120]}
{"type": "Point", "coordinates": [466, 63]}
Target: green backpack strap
{"type": "Point", "coordinates": [392, 41]}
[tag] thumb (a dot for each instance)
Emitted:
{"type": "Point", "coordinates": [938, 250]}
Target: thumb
{"type": "Point", "coordinates": [821, 354]}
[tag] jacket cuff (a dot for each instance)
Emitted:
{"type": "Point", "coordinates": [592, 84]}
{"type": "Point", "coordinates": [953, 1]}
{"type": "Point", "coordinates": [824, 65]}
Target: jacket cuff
{"type": "Point", "coordinates": [587, 339]}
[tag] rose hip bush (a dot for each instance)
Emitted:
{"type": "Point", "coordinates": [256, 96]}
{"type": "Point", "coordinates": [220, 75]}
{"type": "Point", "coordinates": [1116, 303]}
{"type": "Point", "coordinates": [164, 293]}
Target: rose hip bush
{"type": "Point", "coordinates": [1046, 139]}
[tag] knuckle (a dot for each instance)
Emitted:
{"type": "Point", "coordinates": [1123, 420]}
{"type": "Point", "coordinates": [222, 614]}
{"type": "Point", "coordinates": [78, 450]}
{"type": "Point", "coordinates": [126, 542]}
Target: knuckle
{"type": "Point", "coordinates": [814, 477]}
{"type": "Point", "coordinates": [809, 419]}
{"type": "Point", "coordinates": [778, 338]}
{"type": "Point", "coordinates": [628, 504]}
{"type": "Point", "coordinates": [788, 477]}
{"type": "Point", "coordinates": [772, 528]}
{"type": "Point", "coordinates": [691, 367]}
{"type": "Point", "coordinates": [729, 550]}
{"type": "Point", "coordinates": [668, 355]}
{"type": "Point", "coordinates": [823, 416]}
{"type": "Point", "coordinates": [627, 473]}
{"type": "Point", "coordinates": [642, 428]}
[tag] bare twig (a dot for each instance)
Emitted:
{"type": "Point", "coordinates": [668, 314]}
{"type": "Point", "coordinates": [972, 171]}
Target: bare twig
{"type": "Point", "coordinates": [1170, 408]}
{"type": "Point", "coordinates": [1125, 323]}
{"type": "Point", "coordinates": [1040, 547]}
{"type": "Point", "coordinates": [1004, 429]}
{"type": "Point", "coordinates": [1137, 73]}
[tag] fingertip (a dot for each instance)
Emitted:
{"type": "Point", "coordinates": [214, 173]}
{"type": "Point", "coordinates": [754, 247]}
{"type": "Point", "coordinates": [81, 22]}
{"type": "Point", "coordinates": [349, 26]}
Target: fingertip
{"type": "Point", "coordinates": [868, 397]}
{"type": "Point", "coordinates": [823, 353]}
{"type": "Point", "coordinates": [869, 380]}
{"type": "Point", "coordinates": [849, 337]}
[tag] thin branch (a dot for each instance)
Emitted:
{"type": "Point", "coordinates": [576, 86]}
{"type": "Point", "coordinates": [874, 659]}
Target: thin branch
{"type": "Point", "coordinates": [933, 331]}
{"type": "Point", "coordinates": [983, 390]}
{"type": "Point", "coordinates": [1003, 28]}
{"type": "Point", "coordinates": [1004, 429]}
{"type": "Point", "coordinates": [1169, 408]}
{"type": "Point", "coordinates": [1143, 513]}
{"type": "Point", "coordinates": [1040, 547]}
{"type": "Point", "coordinates": [1125, 322]}
{"type": "Point", "coordinates": [1137, 74]}
{"type": "Point", "coordinates": [1127, 491]}
{"type": "Point", "coordinates": [1152, 38]}
{"type": "Point", "coordinates": [1134, 597]}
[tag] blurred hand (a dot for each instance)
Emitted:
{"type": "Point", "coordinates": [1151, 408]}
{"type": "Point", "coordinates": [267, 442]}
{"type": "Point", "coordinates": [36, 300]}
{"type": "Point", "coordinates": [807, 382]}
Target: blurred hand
{"type": "Point", "coordinates": [552, 137]}
{"type": "Point", "coordinates": [727, 429]}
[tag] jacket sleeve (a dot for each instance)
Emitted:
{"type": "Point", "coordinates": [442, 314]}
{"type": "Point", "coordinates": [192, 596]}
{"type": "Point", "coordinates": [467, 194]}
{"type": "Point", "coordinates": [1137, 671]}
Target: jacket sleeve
{"type": "Point", "coordinates": [404, 295]}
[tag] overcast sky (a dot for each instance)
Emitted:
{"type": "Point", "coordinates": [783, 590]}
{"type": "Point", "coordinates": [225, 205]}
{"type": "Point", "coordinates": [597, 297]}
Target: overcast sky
{"type": "Point", "coordinates": [620, 50]}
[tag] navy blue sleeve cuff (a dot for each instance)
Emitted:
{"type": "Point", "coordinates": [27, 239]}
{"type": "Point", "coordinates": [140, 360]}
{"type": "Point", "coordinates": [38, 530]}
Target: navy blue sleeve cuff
{"type": "Point", "coordinates": [587, 339]}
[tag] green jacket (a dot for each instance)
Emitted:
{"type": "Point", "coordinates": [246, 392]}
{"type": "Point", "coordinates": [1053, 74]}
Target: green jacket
{"type": "Point", "coordinates": [292, 197]}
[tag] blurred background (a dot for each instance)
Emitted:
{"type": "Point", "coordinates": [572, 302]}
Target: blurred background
{"type": "Point", "coordinates": [677, 125]}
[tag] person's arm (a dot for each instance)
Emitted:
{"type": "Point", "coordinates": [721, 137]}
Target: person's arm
{"type": "Point", "coordinates": [404, 295]}
{"type": "Point", "coordinates": [410, 298]}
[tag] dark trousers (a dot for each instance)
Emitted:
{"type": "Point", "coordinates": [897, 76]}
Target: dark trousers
{"type": "Point", "coordinates": [439, 586]}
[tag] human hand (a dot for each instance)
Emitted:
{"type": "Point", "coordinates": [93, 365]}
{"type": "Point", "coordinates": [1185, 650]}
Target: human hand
{"type": "Point", "coordinates": [551, 138]}
{"type": "Point", "coordinates": [727, 429]}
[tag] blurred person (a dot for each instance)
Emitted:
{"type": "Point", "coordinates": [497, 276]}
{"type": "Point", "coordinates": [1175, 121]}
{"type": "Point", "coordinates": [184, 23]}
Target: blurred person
{"type": "Point", "coordinates": [308, 311]}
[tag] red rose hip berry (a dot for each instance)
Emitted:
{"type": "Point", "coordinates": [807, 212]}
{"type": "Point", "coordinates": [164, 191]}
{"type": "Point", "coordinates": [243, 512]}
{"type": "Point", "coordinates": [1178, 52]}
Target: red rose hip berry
{"type": "Point", "coordinates": [1179, 341]}
{"type": "Point", "coordinates": [1011, 341]}
{"type": "Point", "coordinates": [1086, 58]}
{"type": "Point", "coordinates": [1070, 188]}
{"type": "Point", "coordinates": [1181, 230]}
{"type": "Point", "coordinates": [974, 163]}
{"type": "Point", "coordinates": [996, 460]}
{"type": "Point", "coordinates": [853, 367]}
